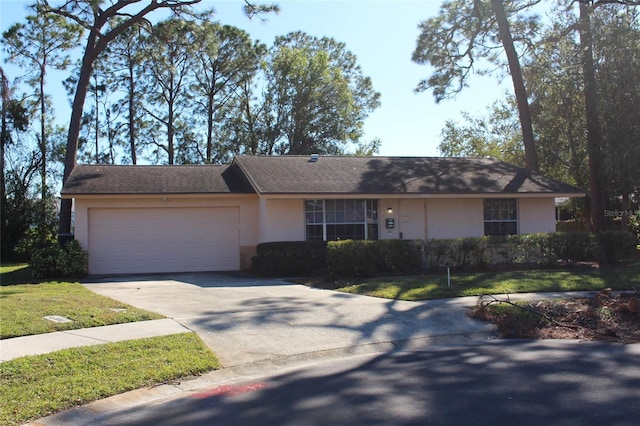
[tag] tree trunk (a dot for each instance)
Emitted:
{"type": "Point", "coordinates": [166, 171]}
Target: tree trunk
{"type": "Point", "coordinates": [132, 131]}
{"type": "Point", "coordinates": [64, 227]}
{"type": "Point", "coordinates": [43, 168]}
{"type": "Point", "coordinates": [4, 97]}
{"type": "Point", "coordinates": [518, 85]}
{"type": "Point", "coordinates": [210, 101]}
{"type": "Point", "coordinates": [594, 136]}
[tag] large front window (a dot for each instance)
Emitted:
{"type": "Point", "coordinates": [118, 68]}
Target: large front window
{"type": "Point", "coordinates": [500, 216]}
{"type": "Point", "coordinates": [331, 220]}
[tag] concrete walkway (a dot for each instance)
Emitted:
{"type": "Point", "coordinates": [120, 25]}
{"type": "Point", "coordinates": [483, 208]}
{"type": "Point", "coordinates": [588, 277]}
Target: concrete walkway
{"type": "Point", "coordinates": [50, 342]}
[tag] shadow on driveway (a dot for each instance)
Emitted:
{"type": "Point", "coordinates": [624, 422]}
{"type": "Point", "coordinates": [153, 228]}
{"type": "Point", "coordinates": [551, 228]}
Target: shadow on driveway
{"type": "Point", "coordinates": [245, 319]}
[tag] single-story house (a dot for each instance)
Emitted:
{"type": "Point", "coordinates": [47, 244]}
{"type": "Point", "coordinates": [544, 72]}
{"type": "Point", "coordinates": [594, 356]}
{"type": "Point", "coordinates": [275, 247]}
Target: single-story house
{"type": "Point", "coordinates": [138, 219]}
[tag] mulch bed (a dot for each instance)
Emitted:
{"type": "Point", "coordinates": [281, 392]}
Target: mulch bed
{"type": "Point", "coordinates": [605, 317]}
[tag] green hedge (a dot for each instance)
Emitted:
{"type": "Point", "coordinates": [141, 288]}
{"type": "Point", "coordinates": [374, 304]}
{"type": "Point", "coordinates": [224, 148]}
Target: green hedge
{"type": "Point", "coordinates": [546, 249]}
{"type": "Point", "coordinates": [54, 261]}
{"type": "Point", "coordinates": [290, 258]}
{"type": "Point", "coordinates": [365, 258]}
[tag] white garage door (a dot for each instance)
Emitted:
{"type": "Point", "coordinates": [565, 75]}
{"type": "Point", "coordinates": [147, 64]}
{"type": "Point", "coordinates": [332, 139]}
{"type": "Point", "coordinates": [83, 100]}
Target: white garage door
{"type": "Point", "coordinates": [163, 240]}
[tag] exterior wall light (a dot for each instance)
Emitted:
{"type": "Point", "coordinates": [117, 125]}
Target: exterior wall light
{"type": "Point", "coordinates": [390, 210]}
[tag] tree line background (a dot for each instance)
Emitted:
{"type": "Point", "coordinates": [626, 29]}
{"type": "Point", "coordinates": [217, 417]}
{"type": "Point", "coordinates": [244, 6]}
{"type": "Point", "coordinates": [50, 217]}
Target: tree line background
{"type": "Point", "coordinates": [188, 89]}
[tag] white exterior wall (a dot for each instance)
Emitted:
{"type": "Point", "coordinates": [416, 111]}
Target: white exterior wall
{"type": "Point", "coordinates": [454, 218]}
{"type": "Point", "coordinates": [536, 215]}
{"type": "Point", "coordinates": [282, 220]}
{"type": "Point", "coordinates": [248, 210]}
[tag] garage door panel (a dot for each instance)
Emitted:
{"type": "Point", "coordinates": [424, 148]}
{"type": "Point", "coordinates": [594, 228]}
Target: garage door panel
{"type": "Point", "coordinates": [163, 240]}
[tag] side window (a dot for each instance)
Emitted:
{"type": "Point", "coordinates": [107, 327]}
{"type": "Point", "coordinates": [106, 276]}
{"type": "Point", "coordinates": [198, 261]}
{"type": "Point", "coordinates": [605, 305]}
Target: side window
{"type": "Point", "coordinates": [500, 216]}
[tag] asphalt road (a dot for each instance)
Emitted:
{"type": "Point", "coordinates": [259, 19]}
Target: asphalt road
{"type": "Point", "coordinates": [490, 383]}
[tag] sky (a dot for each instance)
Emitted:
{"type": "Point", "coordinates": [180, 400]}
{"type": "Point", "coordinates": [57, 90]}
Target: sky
{"type": "Point", "coordinates": [381, 33]}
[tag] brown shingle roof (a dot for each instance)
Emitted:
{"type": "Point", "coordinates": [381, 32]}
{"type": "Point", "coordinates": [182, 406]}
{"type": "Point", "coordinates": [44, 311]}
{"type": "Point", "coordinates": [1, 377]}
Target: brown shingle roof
{"type": "Point", "coordinates": [394, 175]}
{"type": "Point", "coordinates": [185, 179]}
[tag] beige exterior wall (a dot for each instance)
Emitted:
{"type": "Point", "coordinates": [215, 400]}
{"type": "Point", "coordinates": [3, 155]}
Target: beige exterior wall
{"type": "Point", "coordinates": [248, 208]}
{"type": "Point", "coordinates": [453, 218]}
{"type": "Point", "coordinates": [282, 220]}
{"type": "Point", "coordinates": [409, 215]}
{"type": "Point", "coordinates": [536, 215]}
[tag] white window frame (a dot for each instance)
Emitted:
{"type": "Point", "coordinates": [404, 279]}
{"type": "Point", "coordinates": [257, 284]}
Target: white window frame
{"type": "Point", "coordinates": [368, 208]}
{"type": "Point", "coordinates": [493, 219]}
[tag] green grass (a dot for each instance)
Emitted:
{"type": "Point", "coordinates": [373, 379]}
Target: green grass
{"type": "Point", "coordinates": [423, 287]}
{"type": "Point", "coordinates": [25, 305]}
{"type": "Point", "coordinates": [36, 386]}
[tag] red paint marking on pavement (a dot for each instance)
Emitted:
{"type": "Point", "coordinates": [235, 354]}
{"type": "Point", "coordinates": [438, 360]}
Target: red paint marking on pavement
{"type": "Point", "coordinates": [229, 390]}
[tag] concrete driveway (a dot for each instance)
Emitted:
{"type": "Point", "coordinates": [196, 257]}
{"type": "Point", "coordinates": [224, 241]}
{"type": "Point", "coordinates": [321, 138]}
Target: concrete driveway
{"type": "Point", "coordinates": [262, 323]}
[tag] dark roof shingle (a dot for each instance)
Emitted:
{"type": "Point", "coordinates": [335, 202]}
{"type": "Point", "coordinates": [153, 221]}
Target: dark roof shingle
{"type": "Point", "coordinates": [394, 175]}
{"type": "Point", "coordinates": [185, 179]}
{"type": "Point", "coordinates": [327, 175]}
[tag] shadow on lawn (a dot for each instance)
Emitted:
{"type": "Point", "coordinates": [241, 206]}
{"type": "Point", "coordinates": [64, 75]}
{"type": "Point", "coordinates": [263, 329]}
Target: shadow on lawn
{"type": "Point", "coordinates": [19, 276]}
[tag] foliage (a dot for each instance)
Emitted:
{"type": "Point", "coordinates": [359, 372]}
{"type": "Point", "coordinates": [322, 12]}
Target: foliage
{"type": "Point", "coordinates": [545, 249]}
{"type": "Point", "coordinates": [52, 260]}
{"type": "Point", "coordinates": [463, 34]}
{"type": "Point", "coordinates": [366, 258]}
{"type": "Point", "coordinates": [316, 98]}
{"type": "Point", "coordinates": [634, 226]}
{"type": "Point", "coordinates": [37, 46]}
{"type": "Point", "coordinates": [495, 135]}
{"type": "Point", "coordinates": [615, 246]}
{"type": "Point", "coordinates": [24, 305]}
{"type": "Point", "coordinates": [30, 387]}
{"type": "Point", "coordinates": [290, 258]}
{"type": "Point", "coordinates": [352, 258]}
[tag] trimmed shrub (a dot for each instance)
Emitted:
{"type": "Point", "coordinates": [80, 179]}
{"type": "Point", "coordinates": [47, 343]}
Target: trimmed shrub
{"type": "Point", "coordinates": [460, 253]}
{"type": "Point", "coordinates": [614, 246]}
{"type": "Point", "coordinates": [399, 256]}
{"type": "Point", "coordinates": [438, 253]}
{"type": "Point", "coordinates": [353, 258]}
{"type": "Point", "coordinates": [289, 258]}
{"type": "Point", "coordinates": [54, 261]}
{"type": "Point", "coordinates": [573, 247]}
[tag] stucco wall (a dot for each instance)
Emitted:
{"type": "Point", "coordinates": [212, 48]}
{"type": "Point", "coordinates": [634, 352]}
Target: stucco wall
{"type": "Point", "coordinates": [453, 218]}
{"type": "Point", "coordinates": [411, 219]}
{"type": "Point", "coordinates": [537, 215]}
{"type": "Point", "coordinates": [282, 220]}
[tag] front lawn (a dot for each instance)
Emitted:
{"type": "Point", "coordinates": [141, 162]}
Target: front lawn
{"type": "Point", "coordinates": [25, 305]}
{"type": "Point", "coordinates": [434, 286]}
{"type": "Point", "coordinates": [36, 386]}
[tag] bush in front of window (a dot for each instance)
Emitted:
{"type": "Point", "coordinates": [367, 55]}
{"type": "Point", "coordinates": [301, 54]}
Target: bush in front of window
{"type": "Point", "coordinates": [362, 258]}
{"type": "Point", "coordinates": [290, 258]}
{"type": "Point", "coordinates": [353, 258]}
